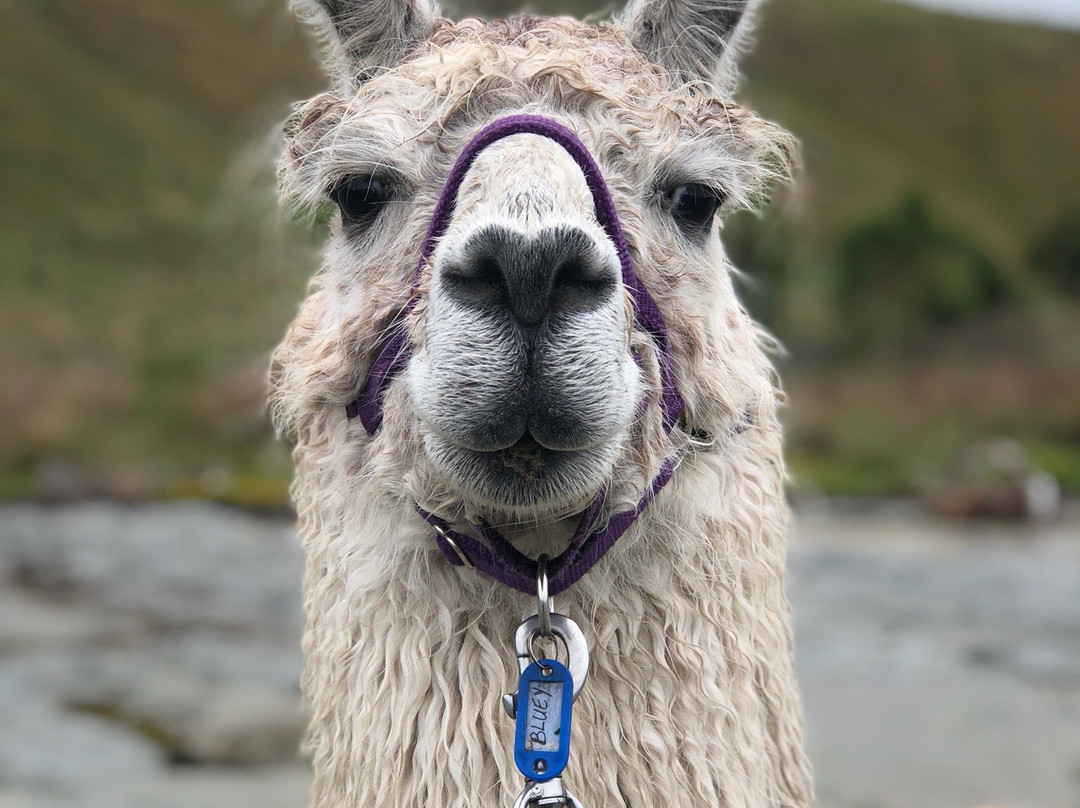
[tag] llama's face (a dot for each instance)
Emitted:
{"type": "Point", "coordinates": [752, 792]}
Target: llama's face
{"type": "Point", "coordinates": [522, 394]}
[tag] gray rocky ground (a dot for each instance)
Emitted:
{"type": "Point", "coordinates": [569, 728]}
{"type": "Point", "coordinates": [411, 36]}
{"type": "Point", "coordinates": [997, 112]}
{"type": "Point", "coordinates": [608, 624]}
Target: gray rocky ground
{"type": "Point", "coordinates": [149, 658]}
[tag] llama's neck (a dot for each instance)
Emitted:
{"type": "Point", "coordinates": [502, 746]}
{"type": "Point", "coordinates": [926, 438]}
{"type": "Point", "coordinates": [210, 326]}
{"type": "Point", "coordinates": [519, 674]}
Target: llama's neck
{"type": "Point", "coordinates": [691, 698]}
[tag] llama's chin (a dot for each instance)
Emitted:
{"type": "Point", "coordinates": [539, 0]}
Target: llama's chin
{"type": "Point", "coordinates": [525, 480]}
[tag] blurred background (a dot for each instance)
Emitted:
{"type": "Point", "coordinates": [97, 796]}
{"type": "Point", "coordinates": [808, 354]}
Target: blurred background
{"type": "Point", "coordinates": [923, 276]}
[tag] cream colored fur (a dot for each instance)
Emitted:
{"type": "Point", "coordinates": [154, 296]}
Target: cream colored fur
{"type": "Point", "coordinates": [692, 698]}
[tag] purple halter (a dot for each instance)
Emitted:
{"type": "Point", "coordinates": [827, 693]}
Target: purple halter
{"type": "Point", "coordinates": [495, 556]}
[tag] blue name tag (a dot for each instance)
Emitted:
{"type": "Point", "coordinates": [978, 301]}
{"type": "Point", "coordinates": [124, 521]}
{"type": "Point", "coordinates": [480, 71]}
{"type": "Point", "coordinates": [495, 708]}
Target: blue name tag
{"type": "Point", "coordinates": [545, 698]}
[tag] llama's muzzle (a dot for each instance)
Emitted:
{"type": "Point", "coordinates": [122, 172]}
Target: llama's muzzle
{"type": "Point", "coordinates": [394, 351]}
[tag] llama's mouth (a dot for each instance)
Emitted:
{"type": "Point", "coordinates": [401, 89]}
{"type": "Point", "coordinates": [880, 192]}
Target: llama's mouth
{"type": "Point", "coordinates": [530, 445]}
{"type": "Point", "coordinates": [524, 478]}
{"type": "Point", "coordinates": [525, 446]}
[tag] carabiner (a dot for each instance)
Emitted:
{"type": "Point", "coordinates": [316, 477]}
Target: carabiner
{"type": "Point", "coordinates": [552, 792]}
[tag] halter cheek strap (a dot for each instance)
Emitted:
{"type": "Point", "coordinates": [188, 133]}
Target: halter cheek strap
{"type": "Point", "coordinates": [494, 555]}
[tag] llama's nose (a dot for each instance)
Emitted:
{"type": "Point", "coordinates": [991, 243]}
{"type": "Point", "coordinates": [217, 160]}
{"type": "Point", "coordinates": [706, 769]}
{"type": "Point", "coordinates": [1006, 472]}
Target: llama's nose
{"type": "Point", "coordinates": [560, 270]}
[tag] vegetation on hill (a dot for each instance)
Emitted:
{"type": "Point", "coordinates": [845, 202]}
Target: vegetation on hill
{"type": "Point", "coordinates": [923, 276]}
{"type": "Point", "coordinates": [135, 299]}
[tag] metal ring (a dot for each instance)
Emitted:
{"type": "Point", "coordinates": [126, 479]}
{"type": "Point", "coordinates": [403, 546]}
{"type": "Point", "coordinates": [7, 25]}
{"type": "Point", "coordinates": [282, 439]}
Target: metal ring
{"type": "Point", "coordinates": [453, 545]}
{"type": "Point", "coordinates": [556, 641]}
{"type": "Point", "coordinates": [545, 604]}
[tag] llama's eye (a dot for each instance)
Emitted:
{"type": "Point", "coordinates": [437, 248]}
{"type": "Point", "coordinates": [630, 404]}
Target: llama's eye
{"type": "Point", "coordinates": [361, 198]}
{"type": "Point", "coordinates": [693, 205]}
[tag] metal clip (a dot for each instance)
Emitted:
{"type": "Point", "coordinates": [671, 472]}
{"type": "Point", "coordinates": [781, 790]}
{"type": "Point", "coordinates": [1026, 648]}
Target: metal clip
{"type": "Point", "coordinates": [551, 760]}
{"type": "Point", "coordinates": [552, 792]}
{"type": "Point", "coordinates": [577, 652]}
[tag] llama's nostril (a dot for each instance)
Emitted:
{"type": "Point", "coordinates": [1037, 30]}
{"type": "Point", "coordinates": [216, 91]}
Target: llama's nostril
{"type": "Point", "coordinates": [477, 280]}
{"type": "Point", "coordinates": [486, 270]}
{"type": "Point", "coordinates": [474, 271]}
{"type": "Point", "coordinates": [582, 275]}
{"type": "Point", "coordinates": [571, 272]}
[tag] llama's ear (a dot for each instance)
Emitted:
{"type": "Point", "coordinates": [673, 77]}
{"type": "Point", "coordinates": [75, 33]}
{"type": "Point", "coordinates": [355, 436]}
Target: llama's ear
{"type": "Point", "coordinates": [694, 40]}
{"type": "Point", "coordinates": [360, 38]}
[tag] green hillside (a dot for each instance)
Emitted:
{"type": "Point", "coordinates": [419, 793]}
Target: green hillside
{"type": "Point", "coordinates": [142, 280]}
{"type": "Point", "coordinates": [887, 98]}
{"type": "Point", "coordinates": [135, 299]}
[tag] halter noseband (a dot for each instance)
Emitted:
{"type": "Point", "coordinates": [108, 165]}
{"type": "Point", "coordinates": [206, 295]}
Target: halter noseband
{"type": "Point", "coordinates": [495, 556]}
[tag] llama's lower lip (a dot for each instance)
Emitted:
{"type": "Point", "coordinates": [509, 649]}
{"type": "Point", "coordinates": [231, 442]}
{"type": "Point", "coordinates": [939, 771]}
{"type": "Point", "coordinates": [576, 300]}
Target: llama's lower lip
{"type": "Point", "coordinates": [523, 477]}
{"type": "Point", "coordinates": [528, 442]}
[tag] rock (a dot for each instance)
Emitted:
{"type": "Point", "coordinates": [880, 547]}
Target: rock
{"type": "Point", "coordinates": [939, 662]}
{"type": "Point", "coordinates": [184, 564]}
{"type": "Point", "coordinates": [247, 725]}
{"type": "Point", "coordinates": [284, 787]}
{"type": "Point", "coordinates": [53, 749]}
{"type": "Point", "coordinates": [243, 707]}
{"type": "Point", "coordinates": [997, 479]}
{"type": "Point", "coordinates": [32, 621]}
{"type": "Point", "coordinates": [58, 480]}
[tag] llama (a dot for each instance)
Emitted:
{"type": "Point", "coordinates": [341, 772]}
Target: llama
{"type": "Point", "coordinates": [531, 394]}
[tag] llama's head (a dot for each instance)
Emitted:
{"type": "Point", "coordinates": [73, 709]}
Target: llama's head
{"type": "Point", "coordinates": [530, 384]}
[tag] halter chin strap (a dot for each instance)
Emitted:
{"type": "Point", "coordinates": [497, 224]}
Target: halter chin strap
{"type": "Point", "coordinates": [494, 555]}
